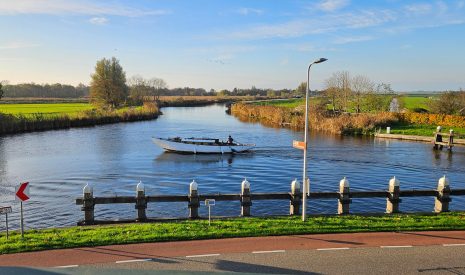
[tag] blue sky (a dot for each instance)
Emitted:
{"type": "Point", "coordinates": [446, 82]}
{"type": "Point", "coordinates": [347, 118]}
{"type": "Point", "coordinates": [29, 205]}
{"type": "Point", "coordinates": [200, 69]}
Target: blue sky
{"type": "Point", "coordinates": [222, 44]}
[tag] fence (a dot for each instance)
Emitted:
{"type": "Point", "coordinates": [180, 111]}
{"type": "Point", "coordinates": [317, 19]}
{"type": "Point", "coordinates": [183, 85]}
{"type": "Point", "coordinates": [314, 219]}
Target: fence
{"type": "Point", "coordinates": [442, 197]}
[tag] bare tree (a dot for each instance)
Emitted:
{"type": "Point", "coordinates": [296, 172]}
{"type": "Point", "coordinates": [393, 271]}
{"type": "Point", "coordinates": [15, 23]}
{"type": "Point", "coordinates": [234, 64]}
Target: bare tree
{"type": "Point", "coordinates": [361, 86]}
{"type": "Point", "coordinates": [338, 90]}
{"type": "Point", "coordinates": [141, 87]}
{"type": "Point", "coordinates": [449, 103]}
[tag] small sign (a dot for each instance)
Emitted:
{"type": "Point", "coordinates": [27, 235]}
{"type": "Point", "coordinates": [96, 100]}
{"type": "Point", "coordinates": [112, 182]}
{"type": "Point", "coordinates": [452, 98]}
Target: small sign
{"type": "Point", "coordinates": [210, 202]}
{"type": "Point", "coordinates": [5, 210]}
{"type": "Point", "coordinates": [299, 144]}
{"type": "Point", "coordinates": [22, 192]}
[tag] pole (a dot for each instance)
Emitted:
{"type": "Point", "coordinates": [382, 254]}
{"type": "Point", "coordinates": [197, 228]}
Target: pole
{"type": "Point", "coordinates": [304, 176]}
{"type": "Point", "coordinates": [6, 221]}
{"type": "Point", "coordinates": [22, 221]}
{"type": "Point", "coordinates": [209, 219]}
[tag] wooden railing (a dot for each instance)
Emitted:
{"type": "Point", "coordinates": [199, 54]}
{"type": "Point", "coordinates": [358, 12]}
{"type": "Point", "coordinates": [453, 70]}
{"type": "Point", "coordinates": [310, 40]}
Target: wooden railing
{"type": "Point", "coordinates": [442, 197]}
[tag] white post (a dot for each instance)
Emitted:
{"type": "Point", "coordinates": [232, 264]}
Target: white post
{"type": "Point", "coordinates": [22, 221]}
{"type": "Point", "coordinates": [6, 222]}
{"type": "Point", "coordinates": [209, 216]}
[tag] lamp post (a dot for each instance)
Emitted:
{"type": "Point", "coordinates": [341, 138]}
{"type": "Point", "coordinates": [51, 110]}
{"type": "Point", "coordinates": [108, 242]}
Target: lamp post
{"type": "Point", "coordinates": [304, 177]}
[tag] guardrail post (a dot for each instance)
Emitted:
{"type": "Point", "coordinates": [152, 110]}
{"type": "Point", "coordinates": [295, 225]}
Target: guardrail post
{"type": "Point", "coordinates": [393, 199]}
{"type": "Point", "coordinates": [141, 203]}
{"type": "Point", "coordinates": [246, 200]}
{"type": "Point", "coordinates": [295, 198]}
{"type": "Point", "coordinates": [88, 204]}
{"type": "Point", "coordinates": [194, 202]}
{"type": "Point", "coordinates": [442, 199]}
{"type": "Point", "coordinates": [344, 197]}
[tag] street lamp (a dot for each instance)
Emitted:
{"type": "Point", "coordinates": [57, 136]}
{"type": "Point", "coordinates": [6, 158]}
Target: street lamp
{"type": "Point", "coordinates": [304, 177]}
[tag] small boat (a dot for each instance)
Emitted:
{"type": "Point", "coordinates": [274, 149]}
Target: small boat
{"type": "Point", "coordinates": [201, 145]}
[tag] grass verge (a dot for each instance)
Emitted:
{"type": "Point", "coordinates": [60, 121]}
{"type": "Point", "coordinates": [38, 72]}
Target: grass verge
{"type": "Point", "coordinates": [422, 130]}
{"type": "Point", "coordinates": [225, 228]}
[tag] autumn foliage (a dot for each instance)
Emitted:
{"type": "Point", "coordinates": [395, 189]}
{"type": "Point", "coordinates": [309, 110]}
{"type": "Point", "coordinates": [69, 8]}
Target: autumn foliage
{"type": "Point", "coordinates": [340, 124]}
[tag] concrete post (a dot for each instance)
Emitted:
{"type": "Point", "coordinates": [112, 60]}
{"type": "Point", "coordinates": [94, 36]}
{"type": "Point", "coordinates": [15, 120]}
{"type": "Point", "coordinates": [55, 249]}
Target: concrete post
{"type": "Point", "coordinates": [141, 203]}
{"type": "Point", "coordinates": [443, 197]}
{"type": "Point", "coordinates": [88, 205]}
{"type": "Point", "coordinates": [246, 200]}
{"type": "Point", "coordinates": [295, 198]}
{"type": "Point", "coordinates": [392, 202]}
{"type": "Point", "coordinates": [194, 202]}
{"type": "Point", "coordinates": [344, 197]}
{"type": "Point", "coordinates": [451, 139]}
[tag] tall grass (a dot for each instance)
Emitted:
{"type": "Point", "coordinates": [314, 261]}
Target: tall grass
{"type": "Point", "coordinates": [293, 118]}
{"type": "Point", "coordinates": [18, 123]}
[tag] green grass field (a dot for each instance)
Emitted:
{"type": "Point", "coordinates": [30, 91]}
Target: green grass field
{"type": "Point", "coordinates": [225, 228]}
{"type": "Point", "coordinates": [412, 102]}
{"type": "Point", "coordinates": [47, 108]}
{"type": "Point", "coordinates": [423, 130]}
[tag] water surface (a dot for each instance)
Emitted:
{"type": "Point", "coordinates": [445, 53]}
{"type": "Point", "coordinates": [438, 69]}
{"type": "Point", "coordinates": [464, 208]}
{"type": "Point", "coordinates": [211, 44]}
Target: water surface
{"type": "Point", "coordinates": [114, 158]}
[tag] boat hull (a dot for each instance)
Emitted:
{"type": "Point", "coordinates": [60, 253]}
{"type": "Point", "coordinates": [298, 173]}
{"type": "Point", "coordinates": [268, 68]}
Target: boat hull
{"type": "Point", "coordinates": [180, 147]}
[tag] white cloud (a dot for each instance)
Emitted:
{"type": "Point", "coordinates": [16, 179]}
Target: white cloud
{"type": "Point", "coordinates": [17, 45]}
{"type": "Point", "coordinates": [98, 20]}
{"type": "Point", "coordinates": [303, 27]}
{"type": "Point", "coordinates": [247, 11]}
{"type": "Point", "coordinates": [418, 9]}
{"type": "Point", "coordinates": [332, 5]}
{"type": "Point", "coordinates": [352, 39]}
{"type": "Point", "coordinates": [83, 7]}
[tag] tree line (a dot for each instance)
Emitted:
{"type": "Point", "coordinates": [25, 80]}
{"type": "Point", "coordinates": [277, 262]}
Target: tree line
{"type": "Point", "coordinates": [44, 91]}
{"type": "Point", "coordinates": [359, 94]}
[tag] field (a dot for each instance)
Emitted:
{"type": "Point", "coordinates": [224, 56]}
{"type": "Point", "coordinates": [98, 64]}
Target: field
{"type": "Point", "coordinates": [412, 102]}
{"type": "Point", "coordinates": [225, 228]}
{"type": "Point", "coordinates": [18, 118]}
{"type": "Point", "coordinates": [44, 108]}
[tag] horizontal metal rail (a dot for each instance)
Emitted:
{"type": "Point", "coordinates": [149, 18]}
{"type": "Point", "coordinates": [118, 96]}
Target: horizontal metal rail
{"type": "Point", "coordinates": [270, 196]}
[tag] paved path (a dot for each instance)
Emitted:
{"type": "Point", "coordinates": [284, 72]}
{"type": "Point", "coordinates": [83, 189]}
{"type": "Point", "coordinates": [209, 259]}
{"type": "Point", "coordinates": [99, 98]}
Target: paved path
{"type": "Point", "coordinates": [163, 252]}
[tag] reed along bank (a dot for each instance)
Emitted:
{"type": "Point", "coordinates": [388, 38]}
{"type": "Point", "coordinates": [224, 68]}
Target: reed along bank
{"type": "Point", "coordinates": [20, 123]}
{"type": "Point", "coordinates": [345, 123]}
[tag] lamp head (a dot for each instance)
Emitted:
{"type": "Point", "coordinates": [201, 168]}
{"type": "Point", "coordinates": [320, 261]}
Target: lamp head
{"type": "Point", "coordinates": [320, 60]}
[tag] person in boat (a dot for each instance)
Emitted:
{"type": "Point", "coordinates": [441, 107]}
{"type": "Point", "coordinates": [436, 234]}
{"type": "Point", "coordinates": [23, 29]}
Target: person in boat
{"type": "Point", "coordinates": [230, 140]}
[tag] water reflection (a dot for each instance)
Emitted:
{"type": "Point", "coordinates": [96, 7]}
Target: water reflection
{"type": "Point", "coordinates": [197, 158]}
{"type": "Point", "coordinates": [113, 158]}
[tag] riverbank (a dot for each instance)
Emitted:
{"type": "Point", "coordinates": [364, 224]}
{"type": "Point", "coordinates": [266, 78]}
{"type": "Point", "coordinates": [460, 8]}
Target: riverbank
{"type": "Point", "coordinates": [178, 230]}
{"type": "Point", "coordinates": [80, 116]}
{"type": "Point", "coordinates": [290, 114]}
{"type": "Point", "coordinates": [346, 124]}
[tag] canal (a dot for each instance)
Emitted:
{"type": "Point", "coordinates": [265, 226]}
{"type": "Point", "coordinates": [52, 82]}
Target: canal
{"type": "Point", "coordinates": [114, 158]}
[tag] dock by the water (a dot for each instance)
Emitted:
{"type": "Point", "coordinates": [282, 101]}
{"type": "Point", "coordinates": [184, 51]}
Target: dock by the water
{"type": "Point", "coordinates": [460, 142]}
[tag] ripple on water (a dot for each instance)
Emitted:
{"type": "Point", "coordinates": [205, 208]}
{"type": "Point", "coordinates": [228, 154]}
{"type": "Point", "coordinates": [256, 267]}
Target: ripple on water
{"type": "Point", "coordinates": [114, 158]}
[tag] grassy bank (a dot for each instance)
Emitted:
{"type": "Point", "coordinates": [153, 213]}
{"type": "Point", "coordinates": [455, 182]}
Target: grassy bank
{"type": "Point", "coordinates": [275, 116]}
{"type": "Point", "coordinates": [289, 113]}
{"type": "Point", "coordinates": [422, 130]}
{"type": "Point", "coordinates": [18, 118]}
{"type": "Point", "coordinates": [225, 228]}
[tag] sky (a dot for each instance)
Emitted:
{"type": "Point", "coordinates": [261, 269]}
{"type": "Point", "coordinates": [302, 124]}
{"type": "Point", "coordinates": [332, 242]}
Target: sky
{"type": "Point", "coordinates": [222, 44]}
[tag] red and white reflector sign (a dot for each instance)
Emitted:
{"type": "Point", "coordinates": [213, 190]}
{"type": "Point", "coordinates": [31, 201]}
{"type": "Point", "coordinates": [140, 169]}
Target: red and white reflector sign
{"type": "Point", "coordinates": [22, 192]}
{"type": "Point", "coordinates": [299, 144]}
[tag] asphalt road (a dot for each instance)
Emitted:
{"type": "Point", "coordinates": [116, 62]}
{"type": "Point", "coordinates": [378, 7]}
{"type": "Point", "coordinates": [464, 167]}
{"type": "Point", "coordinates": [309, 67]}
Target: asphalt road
{"type": "Point", "coordinates": [359, 253]}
